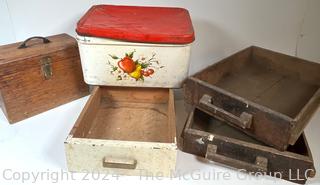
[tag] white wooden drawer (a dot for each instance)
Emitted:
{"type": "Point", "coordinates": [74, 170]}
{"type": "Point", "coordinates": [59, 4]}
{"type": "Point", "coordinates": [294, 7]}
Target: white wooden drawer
{"type": "Point", "coordinates": [126, 131]}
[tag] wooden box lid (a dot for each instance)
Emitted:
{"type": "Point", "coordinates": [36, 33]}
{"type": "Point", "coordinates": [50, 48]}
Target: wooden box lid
{"type": "Point", "coordinates": [35, 46]}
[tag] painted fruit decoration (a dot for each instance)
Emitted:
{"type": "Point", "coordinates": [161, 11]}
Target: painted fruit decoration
{"type": "Point", "coordinates": [127, 65]}
{"type": "Point", "coordinates": [128, 68]}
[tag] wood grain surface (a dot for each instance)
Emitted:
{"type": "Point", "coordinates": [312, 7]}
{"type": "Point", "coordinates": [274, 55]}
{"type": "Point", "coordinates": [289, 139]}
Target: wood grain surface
{"type": "Point", "coordinates": [24, 89]}
{"type": "Point", "coordinates": [208, 137]}
{"type": "Point", "coordinates": [281, 92]}
{"type": "Point", "coordinates": [133, 128]}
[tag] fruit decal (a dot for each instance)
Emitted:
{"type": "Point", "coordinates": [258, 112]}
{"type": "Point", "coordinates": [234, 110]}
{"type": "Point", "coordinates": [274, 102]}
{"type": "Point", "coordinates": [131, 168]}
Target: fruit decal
{"type": "Point", "coordinates": [127, 68]}
{"type": "Point", "coordinates": [127, 65]}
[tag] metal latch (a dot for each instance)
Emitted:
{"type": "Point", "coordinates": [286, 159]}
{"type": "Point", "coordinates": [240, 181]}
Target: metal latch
{"type": "Point", "coordinates": [46, 67]}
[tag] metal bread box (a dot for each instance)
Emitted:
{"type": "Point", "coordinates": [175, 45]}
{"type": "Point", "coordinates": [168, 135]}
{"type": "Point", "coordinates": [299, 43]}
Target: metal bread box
{"type": "Point", "coordinates": [135, 46]}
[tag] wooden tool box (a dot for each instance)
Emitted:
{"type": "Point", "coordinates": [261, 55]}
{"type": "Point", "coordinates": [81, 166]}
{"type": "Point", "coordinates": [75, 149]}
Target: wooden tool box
{"type": "Point", "coordinates": [39, 74]}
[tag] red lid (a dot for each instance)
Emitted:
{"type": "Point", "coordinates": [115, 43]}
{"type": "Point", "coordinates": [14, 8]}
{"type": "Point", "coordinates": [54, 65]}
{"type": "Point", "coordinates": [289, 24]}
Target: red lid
{"type": "Point", "coordinates": [138, 24]}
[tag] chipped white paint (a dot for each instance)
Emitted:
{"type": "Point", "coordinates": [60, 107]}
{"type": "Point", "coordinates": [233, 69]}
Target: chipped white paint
{"type": "Point", "coordinates": [200, 141]}
{"type": "Point", "coordinates": [97, 62]}
{"type": "Point", "coordinates": [152, 158]}
{"type": "Point", "coordinates": [210, 137]}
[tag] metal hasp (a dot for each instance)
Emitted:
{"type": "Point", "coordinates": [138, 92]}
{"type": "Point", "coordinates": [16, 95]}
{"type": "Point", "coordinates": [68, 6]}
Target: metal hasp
{"type": "Point", "coordinates": [46, 67]}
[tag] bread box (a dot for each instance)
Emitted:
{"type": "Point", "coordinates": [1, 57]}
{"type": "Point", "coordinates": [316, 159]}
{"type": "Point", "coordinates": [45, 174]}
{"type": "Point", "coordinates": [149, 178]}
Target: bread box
{"type": "Point", "coordinates": [268, 95]}
{"type": "Point", "coordinates": [217, 141]}
{"type": "Point", "coordinates": [39, 74]}
{"type": "Point", "coordinates": [135, 46]}
{"type": "Point", "coordinates": [125, 131]}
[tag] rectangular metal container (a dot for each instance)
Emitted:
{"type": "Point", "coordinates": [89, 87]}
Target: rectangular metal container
{"type": "Point", "coordinates": [135, 46]}
{"type": "Point", "coordinates": [100, 59]}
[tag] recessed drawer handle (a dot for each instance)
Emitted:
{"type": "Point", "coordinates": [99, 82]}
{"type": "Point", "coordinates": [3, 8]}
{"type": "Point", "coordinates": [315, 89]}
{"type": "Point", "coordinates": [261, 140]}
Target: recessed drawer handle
{"type": "Point", "coordinates": [110, 162]}
{"type": "Point", "coordinates": [244, 121]}
{"type": "Point", "coordinates": [260, 165]}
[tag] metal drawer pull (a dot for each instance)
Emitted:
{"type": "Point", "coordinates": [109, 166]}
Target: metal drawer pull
{"type": "Point", "coordinates": [109, 162]}
{"type": "Point", "coordinates": [244, 121]}
{"type": "Point", "coordinates": [260, 165]}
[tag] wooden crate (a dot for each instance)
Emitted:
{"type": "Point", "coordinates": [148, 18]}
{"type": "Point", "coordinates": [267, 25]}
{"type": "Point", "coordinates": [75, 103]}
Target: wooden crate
{"type": "Point", "coordinates": [126, 131]}
{"type": "Point", "coordinates": [39, 74]}
{"type": "Point", "coordinates": [268, 95]}
{"type": "Point", "coordinates": [209, 137]}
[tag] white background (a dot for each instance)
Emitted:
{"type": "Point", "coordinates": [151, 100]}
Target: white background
{"type": "Point", "coordinates": [222, 27]}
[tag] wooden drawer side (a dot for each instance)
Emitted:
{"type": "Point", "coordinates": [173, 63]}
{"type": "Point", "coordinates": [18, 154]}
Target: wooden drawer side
{"type": "Point", "coordinates": [298, 68]}
{"type": "Point", "coordinates": [213, 73]}
{"type": "Point", "coordinates": [84, 121]}
{"type": "Point", "coordinates": [172, 117]}
{"type": "Point", "coordinates": [302, 119]}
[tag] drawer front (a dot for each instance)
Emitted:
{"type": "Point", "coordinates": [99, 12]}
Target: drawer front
{"type": "Point", "coordinates": [121, 158]}
{"type": "Point", "coordinates": [251, 118]}
{"type": "Point", "coordinates": [248, 157]}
